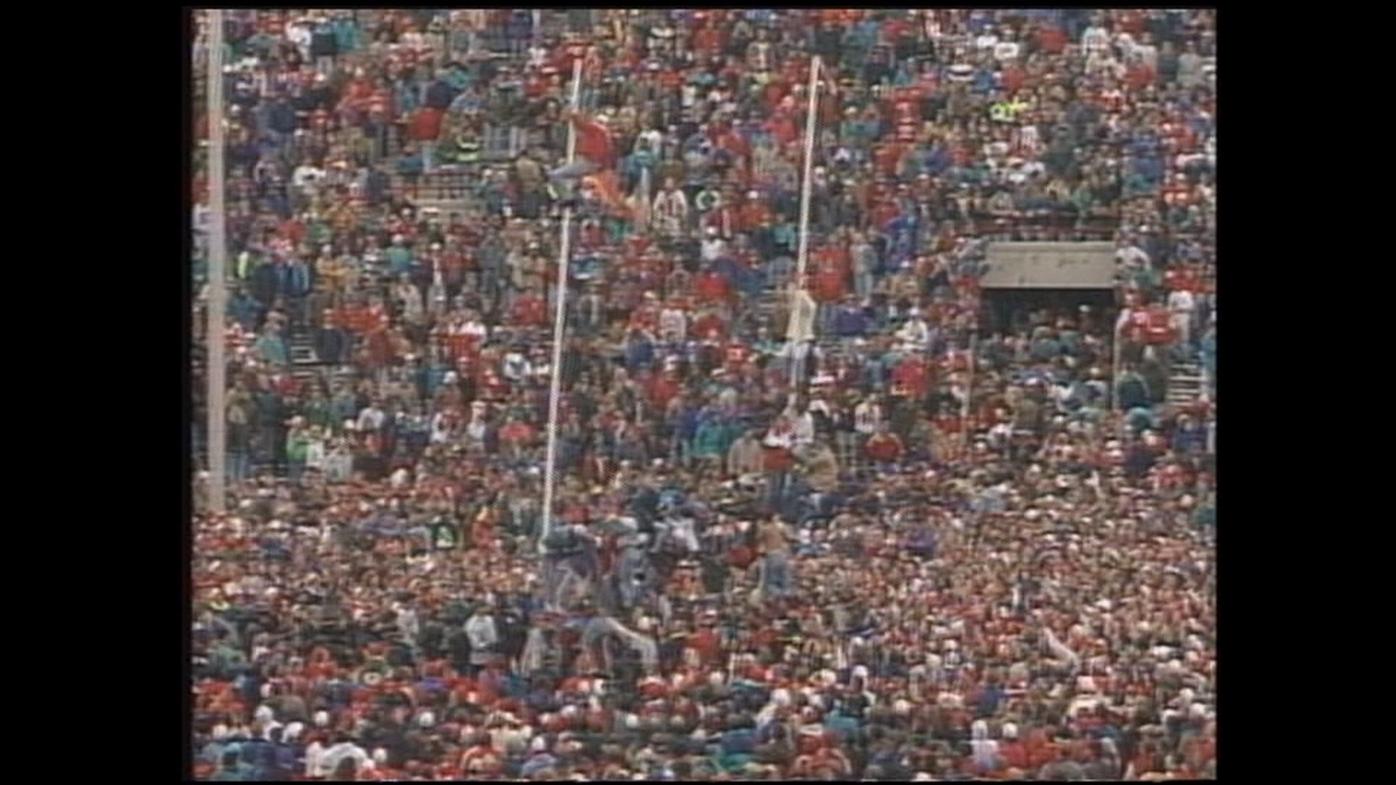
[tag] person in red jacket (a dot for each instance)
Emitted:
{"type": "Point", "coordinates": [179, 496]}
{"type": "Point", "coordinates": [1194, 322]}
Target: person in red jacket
{"type": "Point", "coordinates": [595, 151]}
{"type": "Point", "coordinates": [709, 326]}
{"type": "Point", "coordinates": [530, 310]}
{"type": "Point", "coordinates": [911, 376]}
{"type": "Point", "coordinates": [663, 389]}
{"type": "Point", "coordinates": [1011, 750]}
{"type": "Point", "coordinates": [884, 447]}
{"type": "Point", "coordinates": [711, 287]}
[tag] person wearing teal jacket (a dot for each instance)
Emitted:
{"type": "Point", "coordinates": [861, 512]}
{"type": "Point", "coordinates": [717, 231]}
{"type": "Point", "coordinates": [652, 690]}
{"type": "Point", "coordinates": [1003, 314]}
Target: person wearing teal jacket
{"type": "Point", "coordinates": [399, 257]}
{"type": "Point", "coordinates": [271, 348]}
{"type": "Point", "coordinates": [346, 32]}
{"type": "Point", "coordinates": [711, 439]}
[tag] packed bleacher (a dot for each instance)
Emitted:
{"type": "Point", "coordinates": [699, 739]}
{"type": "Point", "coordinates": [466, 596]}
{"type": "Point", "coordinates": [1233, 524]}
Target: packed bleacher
{"type": "Point", "coordinates": [925, 540]}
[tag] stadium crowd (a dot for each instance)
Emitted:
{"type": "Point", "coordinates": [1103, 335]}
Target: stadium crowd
{"type": "Point", "coordinates": [959, 545]}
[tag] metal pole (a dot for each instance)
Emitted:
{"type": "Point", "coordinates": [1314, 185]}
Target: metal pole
{"type": "Point", "coordinates": [1115, 368]}
{"type": "Point", "coordinates": [559, 323]}
{"type": "Point", "coordinates": [642, 206]}
{"type": "Point", "coordinates": [802, 258]}
{"type": "Point", "coordinates": [965, 409]}
{"type": "Point", "coordinates": [215, 332]}
{"type": "Point", "coordinates": [803, 255]}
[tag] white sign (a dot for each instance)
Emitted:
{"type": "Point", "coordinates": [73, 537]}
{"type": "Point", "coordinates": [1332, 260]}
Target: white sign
{"type": "Point", "coordinates": [1049, 266]}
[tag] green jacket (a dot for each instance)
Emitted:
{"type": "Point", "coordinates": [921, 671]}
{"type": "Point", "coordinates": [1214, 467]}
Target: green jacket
{"type": "Point", "coordinates": [272, 350]}
{"type": "Point", "coordinates": [296, 444]}
{"type": "Point", "coordinates": [318, 412]}
{"type": "Point", "coordinates": [710, 440]}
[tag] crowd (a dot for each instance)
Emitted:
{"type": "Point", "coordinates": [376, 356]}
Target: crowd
{"type": "Point", "coordinates": [926, 544]}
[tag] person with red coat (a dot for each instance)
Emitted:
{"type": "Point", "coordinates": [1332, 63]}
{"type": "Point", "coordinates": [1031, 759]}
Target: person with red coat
{"type": "Point", "coordinates": [736, 356]}
{"type": "Point", "coordinates": [1158, 326]}
{"type": "Point", "coordinates": [646, 315]}
{"type": "Point", "coordinates": [782, 123]}
{"type": "Point", "coordinates": [709, 39]}
{"type": "Point", "coordinates": [883, 447]}
{"type": "Point", "coordinates": [885, 157]}
{"type": "Point", "coordinates": [912, 376]}
{"type": "Point", "coordinates": [1011, 750]}
{"type": "Point", "coordinates": [662, 389]}
{"type": "Point", "coordinates": [530, 311]}
{"type": "Point", "coordinates": [1051, 40]}
{"type": "Point", "coordinates": [725, 219]}
{"type": "Point", "coordinates": [709, 326]}
{"type": "Point", "coordinates": [1139, 76]}
{"type": "Point", "coordinates": [754, 213]}
{"type": "Point", "coordinates": [595, 151]}
{"type": "Point", "coordinates": [830, 284]}
{"type": "Point", "coordinates": [1183, 277]}
{"type": "Point", "coordinates": [711, 287]}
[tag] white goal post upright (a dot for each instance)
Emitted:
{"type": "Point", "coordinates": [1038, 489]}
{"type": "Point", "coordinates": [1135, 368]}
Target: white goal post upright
{"type": "Point", "coordinates": [801, 327]}
{"type": "Point", "coordinates": [559, 327]}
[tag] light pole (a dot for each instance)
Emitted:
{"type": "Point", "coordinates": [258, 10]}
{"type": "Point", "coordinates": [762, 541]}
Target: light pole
{"type": "Point", "coordinates": [215, 368]}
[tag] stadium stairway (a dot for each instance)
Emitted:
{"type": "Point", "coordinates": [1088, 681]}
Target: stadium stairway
{"type": "Point", "coordinates": [1185, 384]}
{"type": "Point", "coordinates": [304, 362]}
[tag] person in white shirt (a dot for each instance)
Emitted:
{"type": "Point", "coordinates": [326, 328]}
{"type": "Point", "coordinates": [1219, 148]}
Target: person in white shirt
{"type": "Point", "coordinates": [442, 427]}
{"type": "Point", "coordinates": [306, 175]}
{"type": "Point", "coordinates": [516, 368]}
{"type": "Point", "coordinates": [1130, 255]}
{"type": "Point", "coordinates": [713, 247]}
{"type": "Point", "coordinates": [1189, 66]}
{"type": "Point", "coordinates": [1096, 40]}
{"type": "Point", "coordinates": [339, 462]}
{"type": "Point", "coordinates": [1006, 50]}
{"type": "Point", "coordinates": [478, 427]}
{"type": "Point", "coordinates": [315, 450]}
{"type": "Point", "coordinates": [474, 327]}
{"type": "Point", "coordinates": [1103, 63]}
{"type": "Point", "coordinates": [326, 762]}
{"type": "Point", "coordinates": [1182, 305]}
{"type": "Point", "coordinates": [673, 325]}
{"type": "Point", "coordinates": [758, 52]}
{"type": "Point", "coordinates": [371, 418]}
{"type": "Point", "coordinates": [984, 750]}
{"type": "Point", "coordinates": [409, 300]}
{"type": "Point", "coordinates": [537, 56]}
{"type": "Point", "coordinates": [803, 421]}
{"type": "Point", "coordinates": [914, 334]}
{"type": "Point", "coordinates": [483, 636]}
{"type": "Point", "coordinates": [651, 140]}
{"type": "Point", "coordinates": [299, 33]}
{"type": "Point", "coordinates": [1147, 52]}
{"type": "Point", "coordinates": [866, 416]}
{"type": "Point", "coordinates": [669, 213]}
